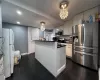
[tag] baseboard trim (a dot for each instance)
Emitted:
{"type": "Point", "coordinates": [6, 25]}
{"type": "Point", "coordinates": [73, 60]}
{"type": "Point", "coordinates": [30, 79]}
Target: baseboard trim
{"type": "Point", "coordinates": [23, 54]}
{"type": "Point", "coordinates": [61, 69]}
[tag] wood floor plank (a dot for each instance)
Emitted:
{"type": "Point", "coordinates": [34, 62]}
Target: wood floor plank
{"type": "Point", "coordinates": [30, 69]}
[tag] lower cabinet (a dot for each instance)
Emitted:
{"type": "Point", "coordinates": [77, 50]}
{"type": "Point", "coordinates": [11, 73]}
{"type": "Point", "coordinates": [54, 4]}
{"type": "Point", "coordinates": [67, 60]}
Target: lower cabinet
{"type": "Point", "coordinates": [69, 50]}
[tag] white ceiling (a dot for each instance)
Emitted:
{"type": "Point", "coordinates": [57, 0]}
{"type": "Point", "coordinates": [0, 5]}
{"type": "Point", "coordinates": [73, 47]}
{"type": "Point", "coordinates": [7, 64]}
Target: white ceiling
{"type": "Point", "coordinates": [35, 11]}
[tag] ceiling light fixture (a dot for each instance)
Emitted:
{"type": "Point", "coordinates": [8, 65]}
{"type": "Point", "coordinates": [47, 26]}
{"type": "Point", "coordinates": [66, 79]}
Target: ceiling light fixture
{"type": "Point", "coordinates": [63, 9]}
{"type": "Point", "coordinates": [18, 22]}
{"type": "Point", "coordinates": [42, 26]}
{"type": "Point", "coordinates": [19, 12]}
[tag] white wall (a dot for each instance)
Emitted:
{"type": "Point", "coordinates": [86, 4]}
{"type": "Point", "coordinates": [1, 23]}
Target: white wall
{"type": "Point", "coordinates": [67, 27]}
{"type": "Point", "coordinates": [33, 34]}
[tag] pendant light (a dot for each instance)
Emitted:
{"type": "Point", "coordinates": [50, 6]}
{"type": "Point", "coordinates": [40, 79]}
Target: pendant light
{"type": "Point", "coordinates": [63, 9]}
{"type": "Point", "coordinates": [42, 24]}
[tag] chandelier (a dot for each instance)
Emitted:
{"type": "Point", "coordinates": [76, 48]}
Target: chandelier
{"type": "Point", "coordinates": [63, 10]}
{"type": "Point", "coordinates": [42, 26]}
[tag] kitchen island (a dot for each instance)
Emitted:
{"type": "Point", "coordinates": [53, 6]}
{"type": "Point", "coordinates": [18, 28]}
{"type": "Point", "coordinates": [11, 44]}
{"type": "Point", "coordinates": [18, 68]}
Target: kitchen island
{"type": "Point", "coordinates": [51, 57]}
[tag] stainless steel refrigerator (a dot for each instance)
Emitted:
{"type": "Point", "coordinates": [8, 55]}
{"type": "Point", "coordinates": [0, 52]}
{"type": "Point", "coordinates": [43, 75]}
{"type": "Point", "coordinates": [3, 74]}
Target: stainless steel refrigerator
{"type": "Point", "coordinates": [85, 45]}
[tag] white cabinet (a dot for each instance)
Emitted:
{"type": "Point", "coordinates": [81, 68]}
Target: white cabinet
{"type": "Point", "coordinates": [84, 16]}
{"type": "Point", "coordinates": [69, 50]}
{"type": "Point", "coordinates": [68, 27]}
{"type": "Point", "coordinates": [78, 19]}
{"type": "Point", "coordinates": [66, 30]}
{"type": "Point", "coordinates": [60, 28]}
{"type": "Point", "coordinates": [35, 34]}
{"type": "Point", "coordinates": [90, 12]}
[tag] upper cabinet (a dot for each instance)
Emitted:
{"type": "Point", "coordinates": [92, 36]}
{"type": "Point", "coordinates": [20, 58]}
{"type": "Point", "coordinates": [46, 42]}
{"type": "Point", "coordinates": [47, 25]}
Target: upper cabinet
{"type": "Point", "coordinates": [68, 27]}
{"type": "Point", "coordinates": [84, 16]}
{"type": "Point", "coordinates": [60, 28]}
{"type": "Point", "coordinates": [90, 12]}
{"type": "Point", "coordinates": [33, 34]}
{"type": "Point", "coordinates": [78, 19]}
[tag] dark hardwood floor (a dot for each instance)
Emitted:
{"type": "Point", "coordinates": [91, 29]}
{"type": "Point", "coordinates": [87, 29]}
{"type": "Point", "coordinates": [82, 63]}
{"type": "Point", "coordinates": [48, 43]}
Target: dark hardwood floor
{"type": "Point", "coordinates": [30, 69]}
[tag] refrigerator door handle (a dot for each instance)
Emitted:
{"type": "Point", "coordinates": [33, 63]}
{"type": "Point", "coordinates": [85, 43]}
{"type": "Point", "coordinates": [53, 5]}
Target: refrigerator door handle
{"type": "Point", "coordinates": [83, 47]}
{"type": "Point", "coordinates": [84, 53]}
{"type": "Point", "coordinates": [82, 35]}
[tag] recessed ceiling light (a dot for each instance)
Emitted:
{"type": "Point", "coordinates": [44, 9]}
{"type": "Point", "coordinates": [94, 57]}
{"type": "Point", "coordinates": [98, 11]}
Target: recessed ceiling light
{"type": "Point", "coordinates": [18, 22]}
{"type": "Point", "coordinates": [19, 12]}
{"type": "Point", "coordinates": [83, 24]}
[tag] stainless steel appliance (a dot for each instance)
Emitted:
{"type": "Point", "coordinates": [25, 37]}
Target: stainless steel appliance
{"type": "Point", "coordinates": [85, 45]}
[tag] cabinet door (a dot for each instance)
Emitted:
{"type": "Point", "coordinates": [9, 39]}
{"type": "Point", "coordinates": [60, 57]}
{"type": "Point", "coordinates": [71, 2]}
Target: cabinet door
{"type": "Point", "coordinates": [70, 30]}
{"type": "Point", "coordinates": [68, 27]}
{"type": "Point", "coordinates": [0, 23]}
{"type": "Point", "coordinates": [35, 34]}
{"type": "Point", "coordinates": [66, 30]}
{"type": "Point", "coordinates": [61, 28]}
{"type": "Point", "coordinates": [78, 19]}
{"type": "Point", "coordinates": [90, 12]}
{"type": "Point", "coordinates": [69, 50]}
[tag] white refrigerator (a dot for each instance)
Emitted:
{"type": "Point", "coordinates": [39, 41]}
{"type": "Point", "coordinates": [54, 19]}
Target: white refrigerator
{"type": "Point", "coordinates": [8, 50]}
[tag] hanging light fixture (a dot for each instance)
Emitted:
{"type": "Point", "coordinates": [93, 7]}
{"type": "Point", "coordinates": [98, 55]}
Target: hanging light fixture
{"type": "Point", "coordinates": [63, 9]}
{"type": "Point", "coordinates": [42, 26]}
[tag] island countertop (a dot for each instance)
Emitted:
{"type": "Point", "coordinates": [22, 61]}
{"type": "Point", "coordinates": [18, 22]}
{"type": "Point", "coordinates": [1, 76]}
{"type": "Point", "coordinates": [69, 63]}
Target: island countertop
{"type": "Point", "coordinates": [44, 41]}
